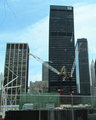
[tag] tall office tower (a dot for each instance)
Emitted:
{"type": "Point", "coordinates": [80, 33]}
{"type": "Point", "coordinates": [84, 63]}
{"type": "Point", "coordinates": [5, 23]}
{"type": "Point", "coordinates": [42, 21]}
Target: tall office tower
{"type": "Point", "coordinates": [61, 46]}
{"type": "Point", "coordinates": [45, 71]}
{"type": "Point", "coordinates": [82, 67]}
{"type": "Point", "coordinates": [16, 68]}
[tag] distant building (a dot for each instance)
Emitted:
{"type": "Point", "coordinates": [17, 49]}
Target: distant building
{"type": "Point", "coordinates": [93, 77]}
{"type": "Point", "coordinates": [45, 72]}
{"type": "Point", "coordinates": [82, 67]}
{"type": "Point", "coordinates": [16, 67]}
{"type": "Point", "coordinates": [61, 46]}
{"type": "Point", "coordinates": [39, 87]}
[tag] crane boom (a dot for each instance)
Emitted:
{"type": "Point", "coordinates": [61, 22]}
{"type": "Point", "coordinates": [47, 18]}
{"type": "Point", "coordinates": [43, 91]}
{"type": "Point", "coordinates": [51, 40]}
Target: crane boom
{"type": "Point", "coordinates": [74, 63]}
{"type": "Point", "coordinates": [63, 68]}
{"type": "Point", "coordinates": [45, 64]}
{"type": "Point", "coordinates": [73, 67]}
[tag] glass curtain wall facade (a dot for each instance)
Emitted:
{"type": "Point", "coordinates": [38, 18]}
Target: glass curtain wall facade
{"type": "Point", "coordinates": [82, 67]}
{"type": "Point", "coordinates": [16, 67]}
{"type": "Point", "coordinates": [61, 46]}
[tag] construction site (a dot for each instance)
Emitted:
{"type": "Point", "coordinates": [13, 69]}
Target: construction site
{"type": "Point", "coordinates": [66, 94]}
{"type": "Point", "coordinates": [49, 105]}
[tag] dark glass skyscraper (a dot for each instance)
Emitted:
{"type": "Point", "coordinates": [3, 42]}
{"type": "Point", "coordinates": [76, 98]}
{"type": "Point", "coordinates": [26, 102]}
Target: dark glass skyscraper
{"type": "Point", "coordinates": [61, 46]}
{"type": "Point", "coordinates": [82, 67]}
{"type": "Point", "coordinates": [16, 67]}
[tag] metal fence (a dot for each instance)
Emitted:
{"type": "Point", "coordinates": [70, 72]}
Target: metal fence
{"type": "Point", "coordinates": [53, 104]}
{"type": "Point", "coordinates": [41, 101]}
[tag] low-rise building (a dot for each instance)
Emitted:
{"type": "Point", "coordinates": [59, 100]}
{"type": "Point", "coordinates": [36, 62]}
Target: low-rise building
{"type": "Point", "coordinates": [38, 86]}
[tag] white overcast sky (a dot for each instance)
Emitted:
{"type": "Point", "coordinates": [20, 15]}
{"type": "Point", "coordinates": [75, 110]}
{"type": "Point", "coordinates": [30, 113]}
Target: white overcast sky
{"type": "Point", "coordinates": [28, 21]}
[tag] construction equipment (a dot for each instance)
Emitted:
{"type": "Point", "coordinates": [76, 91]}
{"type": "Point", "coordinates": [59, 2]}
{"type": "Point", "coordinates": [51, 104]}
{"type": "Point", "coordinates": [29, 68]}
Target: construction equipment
{"type": "Point", "coordinates": [45, 64]}
{"type": "Point", "coordinates": [63, 74]}
{"type": "Point", "coordinates": [4, 94]}
{"type": "Point", "coordinates": [63, 71]}
{"type": "Point", "coordinates": [74, 63]}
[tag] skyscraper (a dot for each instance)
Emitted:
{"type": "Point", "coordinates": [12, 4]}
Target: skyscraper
{"type": "Point", "coordinates": [16, 67]}
{"type": "Point", "coordinates": [82, 67]}
{"type": "Point", "coordinates": [61, 46]}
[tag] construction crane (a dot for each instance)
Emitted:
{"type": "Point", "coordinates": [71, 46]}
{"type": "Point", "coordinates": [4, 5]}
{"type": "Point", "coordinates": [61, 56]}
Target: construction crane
{"type": "Point", "coordinates": [63, 74]}
{"type": "Point", "coordinates": [45, 64]}
{"type": "Point", "coordinates": [63, 71]}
